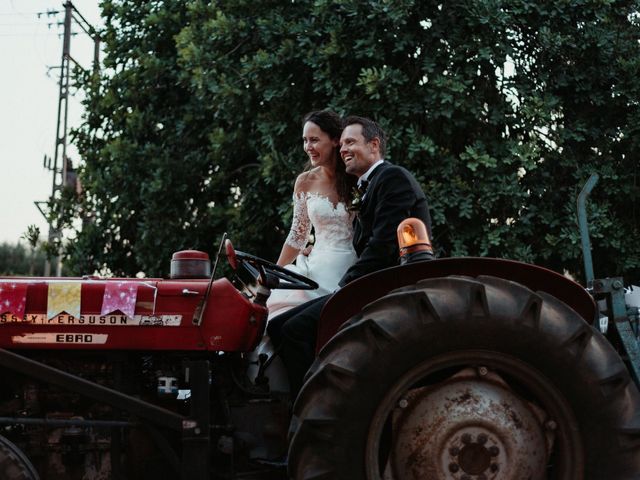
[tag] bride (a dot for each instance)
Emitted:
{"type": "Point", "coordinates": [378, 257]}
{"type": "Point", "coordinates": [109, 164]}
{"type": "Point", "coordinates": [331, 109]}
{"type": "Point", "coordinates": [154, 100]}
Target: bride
{"type": "Point", "coordinates": [320, 200]}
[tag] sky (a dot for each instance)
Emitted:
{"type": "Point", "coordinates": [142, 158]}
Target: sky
{"type": "Point", "coordinates": [29, 88]}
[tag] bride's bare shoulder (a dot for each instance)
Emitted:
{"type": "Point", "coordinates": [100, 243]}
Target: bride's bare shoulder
{"type": "Point", "coordinates": [307, 181]}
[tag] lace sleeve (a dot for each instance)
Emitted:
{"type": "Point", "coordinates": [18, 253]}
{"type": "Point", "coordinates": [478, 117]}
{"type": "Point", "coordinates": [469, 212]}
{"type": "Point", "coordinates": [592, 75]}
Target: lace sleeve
{"type": "Point", "coordinates": [300, 224]}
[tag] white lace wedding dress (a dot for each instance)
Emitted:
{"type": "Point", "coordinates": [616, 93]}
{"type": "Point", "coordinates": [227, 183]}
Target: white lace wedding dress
{"type": "Point", "coordinates": [332, 251]}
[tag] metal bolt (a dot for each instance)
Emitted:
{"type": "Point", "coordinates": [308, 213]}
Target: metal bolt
{"type": "Point", "coordinates": [494, 451]}
{"type": "Point", "coordinates": [482, 439]}
{"type": "Point", "coordinates": [466, 438]}
{"type": "Point", "coordinates": [187, 424]}
{"type": "Point", "coordinates": [483, 371]}
{"type": "Point", "coordinates": [403, 403]}
{"type": "Point", "coordinates": [551, 425]}
{"type": "Point", "coordinates": [494, 467]}
{"type": "Point", "coordinates": [617, 285]}
{"type": "Point", "coordinates": [454, 451]}
{"type": "Point", "coordinates": [454, 467]}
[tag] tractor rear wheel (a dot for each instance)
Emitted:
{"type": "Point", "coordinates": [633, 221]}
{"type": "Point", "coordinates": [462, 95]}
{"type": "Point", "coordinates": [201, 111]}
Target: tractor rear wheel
{"type": "Point", "coordinates": [466, 378]}
{"type": "Point", "coordinates": [14, 465]}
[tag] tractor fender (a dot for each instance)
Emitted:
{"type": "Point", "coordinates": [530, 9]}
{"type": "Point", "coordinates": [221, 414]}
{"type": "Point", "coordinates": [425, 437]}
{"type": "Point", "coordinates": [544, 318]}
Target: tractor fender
{"type": "Point", "coordinates": [350, 300]}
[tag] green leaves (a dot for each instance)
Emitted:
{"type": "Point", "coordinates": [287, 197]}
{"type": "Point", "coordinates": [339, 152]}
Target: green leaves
{"type": "Point", "coordinates": [381, 82]}
{"type": "Point", "coordinates": [501, 108]}
{"type": "Point", "coordinates": [474, 159]}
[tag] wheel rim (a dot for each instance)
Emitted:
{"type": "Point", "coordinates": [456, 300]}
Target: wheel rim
{"type": "Point", "coordinates": [473, 415]}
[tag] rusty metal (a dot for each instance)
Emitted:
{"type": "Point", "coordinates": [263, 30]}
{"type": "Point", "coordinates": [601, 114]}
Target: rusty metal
{"type": "Point", "coordinates": [100, 393]}
{"type": "Point", "coordinates": [470, 426]}
{"type": "Point", "coordinates": [66, 422]}
{"type": "Point", "coordinates": [611, 290]}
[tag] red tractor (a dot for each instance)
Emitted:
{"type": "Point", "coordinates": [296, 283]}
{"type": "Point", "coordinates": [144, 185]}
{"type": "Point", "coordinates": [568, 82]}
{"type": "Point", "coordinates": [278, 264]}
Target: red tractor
{"type": "Point", "coordinates": [462, 368]}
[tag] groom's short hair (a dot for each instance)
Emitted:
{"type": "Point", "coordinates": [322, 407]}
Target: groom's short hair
{"type": "Point", "coordinates": [370, 130]}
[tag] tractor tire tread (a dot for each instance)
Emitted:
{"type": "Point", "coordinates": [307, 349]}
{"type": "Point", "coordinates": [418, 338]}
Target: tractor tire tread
{"type": "Point", "coordinates": [357, 366]}
{"type": "Point", "coordinates": [14, 465]}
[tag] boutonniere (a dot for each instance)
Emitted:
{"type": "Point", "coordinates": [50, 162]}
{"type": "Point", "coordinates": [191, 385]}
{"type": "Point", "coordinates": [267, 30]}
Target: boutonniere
{"type": "Point", "coordinates": [356, 200]}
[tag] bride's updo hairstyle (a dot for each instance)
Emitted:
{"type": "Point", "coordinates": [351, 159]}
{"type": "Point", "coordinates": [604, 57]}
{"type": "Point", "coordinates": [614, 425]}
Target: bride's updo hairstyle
{"type": "Point", "coordinates": [331, 124]}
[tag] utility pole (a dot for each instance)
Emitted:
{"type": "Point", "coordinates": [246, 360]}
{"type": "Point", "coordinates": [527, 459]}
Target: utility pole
{"type": "Point", "coordinates": [63, 105]}
{"type": "Point", "coordinates": [60, 164]}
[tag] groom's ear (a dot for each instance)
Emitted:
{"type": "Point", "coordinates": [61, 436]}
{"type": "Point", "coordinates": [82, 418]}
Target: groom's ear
{"type": "Point", "coordinates": [375, 144]}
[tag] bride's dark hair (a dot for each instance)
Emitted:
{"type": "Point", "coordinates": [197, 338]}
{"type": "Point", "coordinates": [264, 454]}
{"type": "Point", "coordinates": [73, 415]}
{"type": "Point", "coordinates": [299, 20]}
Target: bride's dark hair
{"type": "Point", "coordinates": [331, 124]}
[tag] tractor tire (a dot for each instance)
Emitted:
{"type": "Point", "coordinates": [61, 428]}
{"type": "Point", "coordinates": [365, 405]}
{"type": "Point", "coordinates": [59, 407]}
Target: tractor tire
{"type": "Point", "coordinates": [14, 465]}
{"type": "Point", "coordinates": [468, 379]}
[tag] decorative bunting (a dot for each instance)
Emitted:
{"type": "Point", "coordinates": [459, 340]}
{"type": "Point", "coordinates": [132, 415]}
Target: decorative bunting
{"type": "Point", "coordinates": [120, 296]}
{"type": "Point", "coordinates": [13, 298]}
{"type": "Point", "coordinates": [64, 297]}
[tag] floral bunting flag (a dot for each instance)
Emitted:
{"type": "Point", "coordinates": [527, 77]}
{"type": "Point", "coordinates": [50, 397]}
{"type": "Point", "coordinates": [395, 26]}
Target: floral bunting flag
{"type": "Point", "coordinates": [64, 297]}
{"type": "Point", "coordinates": [120, 296]}
{"type": "Point", "coordinates": [13, 298]}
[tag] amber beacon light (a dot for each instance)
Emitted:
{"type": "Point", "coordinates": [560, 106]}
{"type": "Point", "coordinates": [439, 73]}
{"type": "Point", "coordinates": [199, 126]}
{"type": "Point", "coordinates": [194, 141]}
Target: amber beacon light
{"type": "Point", "coordinates": [414, 241]}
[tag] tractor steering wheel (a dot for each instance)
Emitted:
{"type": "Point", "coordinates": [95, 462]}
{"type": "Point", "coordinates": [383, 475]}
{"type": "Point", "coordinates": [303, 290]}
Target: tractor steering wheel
{"type": "Point", "coordinates": [271, 275]}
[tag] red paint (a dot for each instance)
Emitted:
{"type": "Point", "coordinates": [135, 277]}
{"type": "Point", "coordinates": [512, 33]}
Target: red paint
{"type": "Point", "coordinates": [231, 322]}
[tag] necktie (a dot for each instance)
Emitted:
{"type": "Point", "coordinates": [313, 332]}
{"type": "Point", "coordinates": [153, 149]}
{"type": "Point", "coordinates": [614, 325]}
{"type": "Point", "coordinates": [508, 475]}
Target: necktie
{"type": "Point", "coordinates": [363, 187]}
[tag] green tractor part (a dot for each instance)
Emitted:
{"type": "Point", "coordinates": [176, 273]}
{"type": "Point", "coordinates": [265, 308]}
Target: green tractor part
{"type": "Point", "coordinates": [617, 320]}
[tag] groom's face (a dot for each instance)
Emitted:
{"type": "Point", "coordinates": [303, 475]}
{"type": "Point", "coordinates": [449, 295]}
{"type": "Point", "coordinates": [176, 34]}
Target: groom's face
{"type": "Point", "coordinates": [358, 154]}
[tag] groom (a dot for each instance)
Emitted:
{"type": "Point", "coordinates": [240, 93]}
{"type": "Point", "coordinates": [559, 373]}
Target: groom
{"type": "Point", "coordinates": [389, 194]}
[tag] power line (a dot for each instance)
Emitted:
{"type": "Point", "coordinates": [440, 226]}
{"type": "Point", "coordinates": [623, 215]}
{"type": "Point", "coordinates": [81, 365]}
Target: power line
{"type": "Point", "coordinates": [43, 18]}
{"type": "Point", "coordinates": [6, 14]}
{"type": "Point", "coordinates": [35, 34]}
{"type": "Point", "coordinates": [31, 24]}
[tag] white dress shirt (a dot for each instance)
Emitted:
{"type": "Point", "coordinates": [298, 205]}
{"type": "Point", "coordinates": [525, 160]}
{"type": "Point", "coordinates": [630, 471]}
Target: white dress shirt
{"type": "Point", "coordinates": [365, 175]}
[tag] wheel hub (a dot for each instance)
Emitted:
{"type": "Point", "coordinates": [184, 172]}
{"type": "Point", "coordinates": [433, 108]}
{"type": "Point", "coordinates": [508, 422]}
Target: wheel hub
{"type": "Point", "coordinates": [471, 427]}
{"type": "Point", "coordinates": [474, 458]}
{"type": "Point", "coordinates": [474, 452]}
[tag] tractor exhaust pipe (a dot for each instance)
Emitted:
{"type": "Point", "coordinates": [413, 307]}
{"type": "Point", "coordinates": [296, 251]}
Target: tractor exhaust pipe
{"type": "Point", "coordinates": [584, 226]}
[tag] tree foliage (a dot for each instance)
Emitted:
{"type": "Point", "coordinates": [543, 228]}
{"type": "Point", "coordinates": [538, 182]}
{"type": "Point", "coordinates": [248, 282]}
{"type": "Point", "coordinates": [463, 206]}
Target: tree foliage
{"type": "Point", "coordinates": [16, 259]}
{"type": "Point", "coordinates": [502, 109]}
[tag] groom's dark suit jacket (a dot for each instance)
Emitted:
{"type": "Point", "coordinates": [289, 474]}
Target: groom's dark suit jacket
{"type": "Point", "coordinates": [393, 195]}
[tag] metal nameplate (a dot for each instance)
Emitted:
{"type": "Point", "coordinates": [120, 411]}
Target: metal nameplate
{"type": "Point", "coordinates": [93, 320]}
{"type": "Point", "coordinates": [66, 338]}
